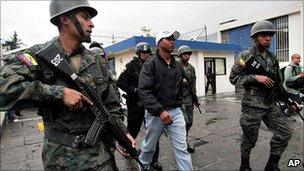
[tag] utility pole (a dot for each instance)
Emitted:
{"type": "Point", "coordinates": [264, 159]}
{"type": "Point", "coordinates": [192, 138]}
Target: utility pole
{"type": "Point", "coordinates": [204, 30]}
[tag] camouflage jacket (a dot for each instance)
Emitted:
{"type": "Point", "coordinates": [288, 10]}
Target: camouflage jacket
{"type": "Point", "coordinates": [189, 72]}
{"type": "Point", "coordinates": [39, 86]}
{"type": "Point", "coordinates": [241, 75]}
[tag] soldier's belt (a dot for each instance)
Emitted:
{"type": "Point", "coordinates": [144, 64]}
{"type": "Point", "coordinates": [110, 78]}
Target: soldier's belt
{"type": "Point", "coordinates": [74, 141]}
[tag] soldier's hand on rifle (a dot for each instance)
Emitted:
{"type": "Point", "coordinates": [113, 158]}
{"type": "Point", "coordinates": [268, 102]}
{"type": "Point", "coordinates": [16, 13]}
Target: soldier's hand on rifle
{"type": "Point", "coordinates": [132, 140]}
{"type": "Point", "coordinates": [265, 80]}
{"type": "Point", "coordinates": [166, 118]}
{"type": "Point", "coordinates": [185, 82]}
{"type": "Point", "coordinates": [74, 99]}
{"type": "Point", "coordinates": [122, 150]}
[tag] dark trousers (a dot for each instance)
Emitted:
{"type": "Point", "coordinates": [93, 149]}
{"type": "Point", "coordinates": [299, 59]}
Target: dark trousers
{"type": "Point", "coordinates": [136, 116]}
{"type": "Point", "coordinates": [210, 82]}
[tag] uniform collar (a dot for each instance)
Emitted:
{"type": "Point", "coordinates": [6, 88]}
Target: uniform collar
{"type": "Point", "coordinates": [87, 58]}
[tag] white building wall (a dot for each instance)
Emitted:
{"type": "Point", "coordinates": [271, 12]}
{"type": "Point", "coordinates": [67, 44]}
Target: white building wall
{"type": "Point", "coordinates": [122, 59]}
{"type": "Point", "coordinates": [197, 60]}
{"type": "Point", "coordinates": [295, 34]}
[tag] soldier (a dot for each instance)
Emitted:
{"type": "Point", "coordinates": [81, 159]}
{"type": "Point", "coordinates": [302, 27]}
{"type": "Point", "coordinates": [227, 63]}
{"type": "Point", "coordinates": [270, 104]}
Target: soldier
{"type": "Point", "coordinates": [64, 110]}
{"type": "Point", "coordinates": [97, 48]}
{"type": "Point", "coordinates": [128, 82]}
{"type": "Point", "coordinates": [255, 107]}
{"type": "Point", "coordinates": [160, 85]}
{"type": "Point", "coordinates": [189, 87]}
{"type": "Point", "coordinates": [210, 81]}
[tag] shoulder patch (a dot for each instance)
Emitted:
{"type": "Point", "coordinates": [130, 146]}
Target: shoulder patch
{"type": "Point", "coordinates": [27, 59]}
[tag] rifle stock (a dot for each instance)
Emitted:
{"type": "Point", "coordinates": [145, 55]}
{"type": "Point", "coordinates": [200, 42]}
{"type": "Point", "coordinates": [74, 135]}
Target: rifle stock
{"type": "Point", "coordinates": [103, 122]}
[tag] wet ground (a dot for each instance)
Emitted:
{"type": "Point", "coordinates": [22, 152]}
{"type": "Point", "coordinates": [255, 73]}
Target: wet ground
{"type": "Point", "coordinates": [215, 134]}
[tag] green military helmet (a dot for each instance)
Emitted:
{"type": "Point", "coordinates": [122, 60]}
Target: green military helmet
{"type": "Point", "coordinates": [95, 44]}
{"type": "Point", "coordinates": [262, 26]}
{"type": "Point", "coordinates": [142, 47]}
{"type": "Point", "coordinates": [97, 48]}
{"type": "Point", "coordinates": [184, 49]}
{"type": "Point", "coordinates": [59, 7]}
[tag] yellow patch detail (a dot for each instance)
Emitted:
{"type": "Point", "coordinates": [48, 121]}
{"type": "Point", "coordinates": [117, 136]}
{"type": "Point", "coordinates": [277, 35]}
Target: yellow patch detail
{"type": "Point", "coordinates": [242, 62]}
{"type": "Point", "coordinates": [30, 58]}
{"type": "Point", "coordinates": [40, 126]}
{"type": "Point", "coordinates": [27, 59]}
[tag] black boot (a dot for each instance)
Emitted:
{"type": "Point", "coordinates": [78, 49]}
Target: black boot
{"type": "Point", "coordinates": [273, 163]}
{"type": "Point", "coordinates": [245, 164]}
{"type": "Point", "coordinates": [190, 149]}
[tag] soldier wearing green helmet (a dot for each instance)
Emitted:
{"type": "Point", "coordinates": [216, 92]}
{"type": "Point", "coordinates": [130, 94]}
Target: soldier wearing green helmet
{"type": "Point", "coordinates": [257, 105]}
{"type": "Point", "coordinates": [30, 82]}
{"type": "Point", "coordinates": [184, 52]}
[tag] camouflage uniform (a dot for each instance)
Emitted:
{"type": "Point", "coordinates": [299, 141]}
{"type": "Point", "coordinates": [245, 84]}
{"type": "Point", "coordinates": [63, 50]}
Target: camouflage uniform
{"type": "Point", "coordinates": [187, 106]}
{"type": "Point", "coordinates": [23, 87]}
{"type": "Point", "coordinates": [255, 107]}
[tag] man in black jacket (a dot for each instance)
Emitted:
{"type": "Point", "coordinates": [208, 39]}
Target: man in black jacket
{"type": "Point", "coordinates": [128, 82]}
{"type": "Point", "coordinates": [160, 86]}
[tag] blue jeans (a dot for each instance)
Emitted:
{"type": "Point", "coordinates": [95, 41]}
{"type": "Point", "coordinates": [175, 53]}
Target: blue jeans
{"type": "Point", "coordinates": [177, 133]}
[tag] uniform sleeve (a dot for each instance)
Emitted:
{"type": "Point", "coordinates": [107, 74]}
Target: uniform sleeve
{"type": "Point", "coordinates": [21, 89]}
{"type": "Point", "coordinates": [288, 74]}
{"type": "Point", "coordinates": [124, 82]}
{"type": "Point", "coordinates": [238, 74]}
{"type": "Point", "coordinates": [112, 101]}
{"type": "Point", "coordinates": [145, 89]}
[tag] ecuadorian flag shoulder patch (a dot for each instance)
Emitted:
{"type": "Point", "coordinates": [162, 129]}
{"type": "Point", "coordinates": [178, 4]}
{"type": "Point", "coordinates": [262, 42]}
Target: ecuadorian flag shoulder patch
{"type": "Point", "coordinates": [27, 59]}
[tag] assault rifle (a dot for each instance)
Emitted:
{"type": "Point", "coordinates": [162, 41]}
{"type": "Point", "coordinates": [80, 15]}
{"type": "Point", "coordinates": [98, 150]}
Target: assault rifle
{"type": "Point", "coordinates": [103, 122]}
{"type": "Point", "coordinates": [277, 92]}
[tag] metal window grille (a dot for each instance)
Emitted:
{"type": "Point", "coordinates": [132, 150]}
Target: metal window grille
{"type": "Point", "coordinates": [282, 42]}
{"type": "Point", "coordinates": [225, 37]}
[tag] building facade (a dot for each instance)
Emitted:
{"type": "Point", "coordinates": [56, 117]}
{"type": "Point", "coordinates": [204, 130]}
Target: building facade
{"type": "Point", "coordinates": [219, 57]}
{"type": "Point", "coordinates": [289, 37]}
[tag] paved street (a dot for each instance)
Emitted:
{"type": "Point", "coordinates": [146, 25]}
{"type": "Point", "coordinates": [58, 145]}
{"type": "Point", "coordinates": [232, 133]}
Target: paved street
{"type": "Point", "coordinates": [215, 135]}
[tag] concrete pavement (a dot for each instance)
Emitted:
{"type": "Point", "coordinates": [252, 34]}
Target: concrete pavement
{"type": "Point", "coordinates": [215, 135]}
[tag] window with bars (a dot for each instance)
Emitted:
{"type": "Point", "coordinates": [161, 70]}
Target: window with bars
{"type": "Point", "coordinates": [225, 37]}
{"type": "Point", "coordinates": [281, 37]}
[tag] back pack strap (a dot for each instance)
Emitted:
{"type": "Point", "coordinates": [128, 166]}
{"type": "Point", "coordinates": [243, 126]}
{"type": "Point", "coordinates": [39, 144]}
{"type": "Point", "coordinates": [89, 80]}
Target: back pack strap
{"type": "Point", "coordinates": [293, 69]}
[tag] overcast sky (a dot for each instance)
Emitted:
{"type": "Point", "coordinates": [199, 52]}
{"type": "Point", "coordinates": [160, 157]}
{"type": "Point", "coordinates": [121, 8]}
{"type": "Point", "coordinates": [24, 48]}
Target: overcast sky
{"type": "Point", "coordinates": [31, 18]}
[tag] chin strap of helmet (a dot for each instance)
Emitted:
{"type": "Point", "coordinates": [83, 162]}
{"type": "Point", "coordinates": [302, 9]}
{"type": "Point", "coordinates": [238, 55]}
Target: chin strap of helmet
{"type": "Point", "coordinates": [83, 37]}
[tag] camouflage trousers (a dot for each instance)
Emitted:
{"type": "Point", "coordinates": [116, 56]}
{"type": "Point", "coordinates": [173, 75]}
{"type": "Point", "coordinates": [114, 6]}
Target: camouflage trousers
{"type": "Point", "coordinates": [275, 121]}
{"type": "Point", "coordinates": [187, 109]}
{"type": "Point", "coordinates": [60, 157]}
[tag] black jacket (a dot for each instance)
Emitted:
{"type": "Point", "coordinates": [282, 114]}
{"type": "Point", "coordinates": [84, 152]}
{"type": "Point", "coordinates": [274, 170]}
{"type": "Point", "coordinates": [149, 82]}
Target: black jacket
{"type": "Point", "coordinates": [160, 84]}
{"type": "Point", "coordinates": [128, 79]}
